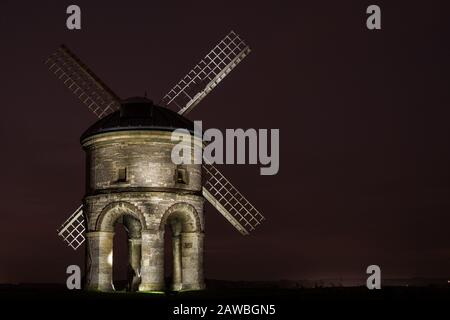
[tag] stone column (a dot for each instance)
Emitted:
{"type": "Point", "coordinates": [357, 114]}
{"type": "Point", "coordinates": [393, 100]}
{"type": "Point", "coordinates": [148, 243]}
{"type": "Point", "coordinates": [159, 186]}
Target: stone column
{"type": "Point", "coordinates": [176, 250]}
{"type": "Point", "coordinates": [152, 261]}
{"type": "Point", "coordinates": [99, 254]}
{"type": "Point", "coordinates": [192, 260]}
{"type": "Point", "coordinates": [134, 263]}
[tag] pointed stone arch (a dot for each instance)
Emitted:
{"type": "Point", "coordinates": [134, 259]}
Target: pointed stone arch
{"type": "Point", "coordinates": [187, 246]}
{"type": "Point", "coordinates": [113, 211]}
{"type": "Point", "coordinates": [100, 245]}
{"type": "Point", "coordinates": [187, 214]}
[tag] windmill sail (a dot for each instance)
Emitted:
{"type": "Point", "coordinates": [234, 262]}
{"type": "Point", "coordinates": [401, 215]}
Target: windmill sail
{"type": "Point", "coordinates": [219, 191]}
{"type": "Point", "coordinates": [72, 230]}
{"type": "Point", "coordinates": [186, 94]}
{"type": "Point", "coordinates": [83, 82]}
{"type": "Point", "coordinates": [207, 74]}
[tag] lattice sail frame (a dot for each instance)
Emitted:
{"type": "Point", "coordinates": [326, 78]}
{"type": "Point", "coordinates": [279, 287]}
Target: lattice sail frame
{"type": "Point", "coordinates": [222, 194]}
{"type": "Point", "coordinates": [207, 74]}
{"type": "Point", "coordinates": [200, 81]}
{"type": "Point", "coordinates": [101, 100]}
{"type": "Point", "coordinates": [72, 230]}
{"type": "Point", "coordinates": [92, 91]}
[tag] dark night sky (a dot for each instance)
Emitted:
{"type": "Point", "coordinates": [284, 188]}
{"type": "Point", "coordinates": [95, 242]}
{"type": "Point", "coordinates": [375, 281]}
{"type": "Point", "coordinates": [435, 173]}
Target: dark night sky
{"type": "Point", "coordinates": [363, 119]}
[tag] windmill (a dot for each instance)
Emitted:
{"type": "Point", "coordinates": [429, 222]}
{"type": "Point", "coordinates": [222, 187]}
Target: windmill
{"type": "Point", "coordinates": [183, 97]}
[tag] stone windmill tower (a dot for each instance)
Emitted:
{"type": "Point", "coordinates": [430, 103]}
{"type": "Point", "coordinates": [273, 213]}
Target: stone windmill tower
{"type": "Point", "coordinates": [131, 179]}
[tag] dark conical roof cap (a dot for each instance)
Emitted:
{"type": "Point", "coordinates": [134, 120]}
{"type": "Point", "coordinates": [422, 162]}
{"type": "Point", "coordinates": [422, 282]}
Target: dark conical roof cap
{"type": "Point", "coordinates": [139, 113]}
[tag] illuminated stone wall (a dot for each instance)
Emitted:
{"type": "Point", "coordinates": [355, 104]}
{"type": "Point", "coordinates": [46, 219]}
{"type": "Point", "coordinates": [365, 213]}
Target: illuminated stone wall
{"type": "Point", "coordinates": [131, 179]}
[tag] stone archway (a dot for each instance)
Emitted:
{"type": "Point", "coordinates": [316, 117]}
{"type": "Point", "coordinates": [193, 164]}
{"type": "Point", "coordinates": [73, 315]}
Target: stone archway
{"type": "Point", "coordinates": [187, 246]}
{"type": "Point", "coordinates": [113, 211]}
{"type": "Point", "coordinates": [99, 248]}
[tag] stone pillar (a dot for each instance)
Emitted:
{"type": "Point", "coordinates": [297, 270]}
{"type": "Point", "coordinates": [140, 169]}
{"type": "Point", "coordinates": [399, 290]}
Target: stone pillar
{"type": "Point", "coordinates": [99, 254]}
{"type": "Point", "coordinates": [192, 260]}
{"type": "Point", "coordinates": [176, 250]}
{"type": "Point", "coordinates": [152, 261]}
{"type": "Point", "coordinates": [134, 263]}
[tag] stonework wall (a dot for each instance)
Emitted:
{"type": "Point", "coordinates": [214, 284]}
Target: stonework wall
{"type": "Point", "coordinates": [146, 155]}
{"type": "Point", "coordinates": [150, 194]}
{"type": "Point", "coordinates": [152, 206]}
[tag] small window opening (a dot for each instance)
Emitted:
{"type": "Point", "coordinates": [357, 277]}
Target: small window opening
{"type": "Point", "coordinates": [122, 175]}
{"type": "Point", "coordinates": [182, 176]}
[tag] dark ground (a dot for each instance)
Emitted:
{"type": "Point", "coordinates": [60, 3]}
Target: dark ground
{"type": "Point", "coordinates": [337, 294]}
{"type": "Point", "coordinates": [289, 303]}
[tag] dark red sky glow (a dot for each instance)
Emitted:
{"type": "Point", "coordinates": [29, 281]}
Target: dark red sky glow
{"type": "Point", "coordinates": [363, 116]}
